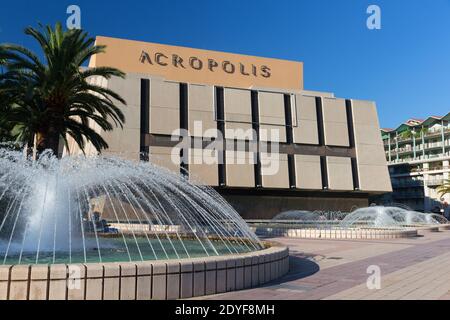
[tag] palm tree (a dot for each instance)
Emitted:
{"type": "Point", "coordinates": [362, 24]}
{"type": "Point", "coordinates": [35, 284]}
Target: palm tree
{"type": "Point", "coordinates": [54, 99]}
{"type": "Point", "coordinates": [444, 188]}
{"type": "Point", "coordinates": [5, 107]}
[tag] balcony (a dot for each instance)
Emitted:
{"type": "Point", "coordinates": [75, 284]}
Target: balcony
{"type": "Point", "coordinates": [431, 145]}
{"type": "Point", "coordinates": [434, 182]}
{"type": "Point", "coordinates": [406, 149]}
{"type": "Point", "coordinates": [436, 132]}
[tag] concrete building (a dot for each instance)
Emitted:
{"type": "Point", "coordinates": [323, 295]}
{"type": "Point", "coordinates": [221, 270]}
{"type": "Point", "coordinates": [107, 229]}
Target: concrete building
{"type": "Point", "coordinates": [418, 154]}
{"type": "Point", "coordinates": [327, 151]}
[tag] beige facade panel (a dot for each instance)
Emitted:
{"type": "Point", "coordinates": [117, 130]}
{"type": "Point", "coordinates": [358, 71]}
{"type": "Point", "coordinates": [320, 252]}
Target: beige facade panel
{"type": "Point", "coordinates": [164, 94]}
{"type": "Point", "coordinates": [201, 115]}
{"type": "Point", "coordinates": [340, 175]}
{"type": "Point", "coordinates": [305, 129]}
{"type": "Point", "coordinates": [238, 114]}
{"type": "Point", "coordinates": [374, 178]}
{"type": "Point", "coordinates": [201, 98]}
{"type": "Point", "coordinates": [306, 107]}
{"type": "Point", "coordinates": [372, 168]}
{"type": "Point", "coordinates": [370, 154]}
{"type": "Point", "coordinates": [274, 170]}
{"type": "Point", "coordinates": [164, 120]}
{"type": "Point", "coordinates": [272, 117]}
{"type": "Point", "coordinates": [308, 172]}
{"type": "Point", "coordinates": [122, 142]}
{"type": "Point", "coordinates": [306, 132]}
{"type": "Point", "coordinates": [335, 122]}
{"type": "Point", "coordinates": [239, 131]}
{"type": "Point", "coordinates": [271, 108]}
{"type": "Point", "coordinates": [237, 105]}
{"type": "Point", "coordinates": [365, 113]}
{"type": "Point", "coordinates": [367, 134]}
{"type": "Point", "coordinates": [334, 110]}
{"type": "Point", "coordinates": [203, 166]}
{"type": "Point", "coordinates": [132, 115]}
{"type": "Point", "coordinates": [240, 169]}
{"type": "Point", "coordinates": [365, 123]}
{"type": "Point", "coordinates": [130, 90]}
{"type": "Point", "coordinates": [272, 133]}
{"type": "Point", "coordinates": [166, 157]}
{"type": "Point", "coordinates": [336, 134]}
{"type": "Point", "coordinates": [164, 107]}
{"type": "Point", "coordinates": [202, 124]}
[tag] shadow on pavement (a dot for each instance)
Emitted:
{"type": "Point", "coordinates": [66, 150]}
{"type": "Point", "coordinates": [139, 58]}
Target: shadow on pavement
{"type": "Point", "coordinates": [299, 267]}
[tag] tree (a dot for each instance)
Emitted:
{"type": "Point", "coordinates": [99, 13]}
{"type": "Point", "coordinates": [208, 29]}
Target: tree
{"type": "Point", "coordinates": [4, 130]}
{"type": "Point", "coordinates": [444, 188]}
{"type": "Point", "coordinates": [412, 133]}
{"type": "Point", "coordinates": [55, 99]}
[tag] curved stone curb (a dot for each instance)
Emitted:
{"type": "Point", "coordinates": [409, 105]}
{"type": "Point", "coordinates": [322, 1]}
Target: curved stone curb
{"type": "Point", "coordinates": [158, 280]}
{"type": "Point", "coordinates": [444, 227]}
{"type": "Point", "coordinates": [428, 228]}
{"type": "Point", "coordinates": [369, 233]}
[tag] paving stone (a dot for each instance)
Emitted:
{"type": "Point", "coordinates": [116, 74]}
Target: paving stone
{"type": "Point", "coordinates": [337, 269]}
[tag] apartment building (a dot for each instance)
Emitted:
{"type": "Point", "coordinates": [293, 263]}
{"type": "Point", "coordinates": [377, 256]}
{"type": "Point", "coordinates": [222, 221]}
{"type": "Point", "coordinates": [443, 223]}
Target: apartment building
{"type": "Point", "coordinates": [418, 155]}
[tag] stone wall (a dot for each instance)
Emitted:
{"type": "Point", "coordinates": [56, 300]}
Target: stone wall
{"type": "Point", "coordinates": [148, 280]}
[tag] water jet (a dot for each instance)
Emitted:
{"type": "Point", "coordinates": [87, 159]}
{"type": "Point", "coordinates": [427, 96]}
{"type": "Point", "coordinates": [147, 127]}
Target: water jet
{"type": "Point", "coordinates": [99, 213]}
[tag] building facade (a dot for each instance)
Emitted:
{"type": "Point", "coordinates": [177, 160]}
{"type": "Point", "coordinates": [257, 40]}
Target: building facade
{"type": "Point", "coordinates": [245, 126]}
{"type": "Point", "coordinates": [418, 154]}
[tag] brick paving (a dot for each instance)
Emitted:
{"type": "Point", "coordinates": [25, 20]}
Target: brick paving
{"type": "Point", "coordinates": [417, 268]}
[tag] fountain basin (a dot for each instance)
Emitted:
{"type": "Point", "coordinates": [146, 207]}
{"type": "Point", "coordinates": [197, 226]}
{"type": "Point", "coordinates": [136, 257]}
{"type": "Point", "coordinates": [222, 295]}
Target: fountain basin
{"type": "Point", "coordinates": [421, 227]}
{"type": "Point", "coordinates": [336, 233]}
{"type": "Point", "coordinates": [147, 280]}
{"type": "Point", "coordinates": [444, 227]}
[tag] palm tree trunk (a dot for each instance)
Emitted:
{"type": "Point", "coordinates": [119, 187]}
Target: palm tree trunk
{"type": "Point", "coordinates": [47, 141]}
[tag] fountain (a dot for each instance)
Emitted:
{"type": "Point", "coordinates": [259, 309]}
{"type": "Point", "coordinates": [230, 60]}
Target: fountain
{"type": "Point", "coordinates": [374, 222]}
{"type": "Point", "coordinates": [317, 216]}
{"type": "Point", "coordinates": [299, 215]}
{"type": "Point", "coordinates": [382, 217]}
{"type": "Point", "coordinates": [371, 216]}
{"type": "Point", "coordinates": [103, 212]}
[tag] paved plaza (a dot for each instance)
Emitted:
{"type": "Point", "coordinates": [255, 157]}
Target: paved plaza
{"type": "Point", "coordinates": [412, 268]}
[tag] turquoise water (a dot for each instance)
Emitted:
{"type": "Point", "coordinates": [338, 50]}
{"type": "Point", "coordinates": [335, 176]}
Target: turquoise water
{"type": "Point", "coordinates": [130, 249]}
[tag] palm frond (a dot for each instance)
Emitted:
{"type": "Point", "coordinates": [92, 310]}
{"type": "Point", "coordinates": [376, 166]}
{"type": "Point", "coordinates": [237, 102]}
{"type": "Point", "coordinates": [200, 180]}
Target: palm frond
{"type": "Point", "coordinates": [55, 95]}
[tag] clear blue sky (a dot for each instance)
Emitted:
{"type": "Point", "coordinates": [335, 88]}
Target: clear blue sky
{"type": "Point", "coordinates": [404, 67]}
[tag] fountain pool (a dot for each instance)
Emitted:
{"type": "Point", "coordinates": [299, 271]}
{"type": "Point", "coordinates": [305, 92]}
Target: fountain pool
{"type": "Point", "coordinates": [101, 213]}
